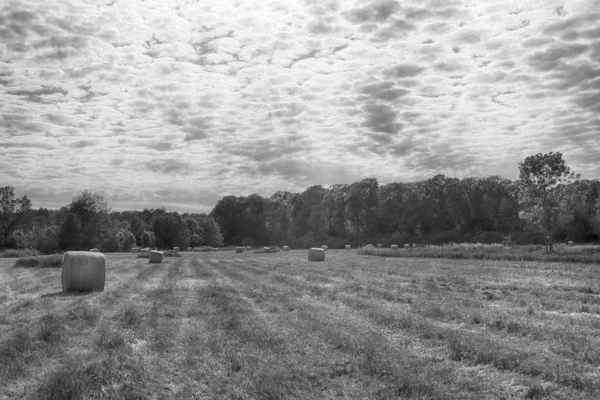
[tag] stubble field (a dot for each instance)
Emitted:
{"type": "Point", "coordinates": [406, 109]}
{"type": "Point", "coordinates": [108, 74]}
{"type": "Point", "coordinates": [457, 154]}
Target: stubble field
{"type": "Point", "coordinates": [274, 326]}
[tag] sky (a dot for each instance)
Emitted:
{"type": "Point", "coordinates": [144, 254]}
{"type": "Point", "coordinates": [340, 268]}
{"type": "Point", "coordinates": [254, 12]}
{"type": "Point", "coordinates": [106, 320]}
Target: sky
{"type": "Point", "coordinates": [177, 104]}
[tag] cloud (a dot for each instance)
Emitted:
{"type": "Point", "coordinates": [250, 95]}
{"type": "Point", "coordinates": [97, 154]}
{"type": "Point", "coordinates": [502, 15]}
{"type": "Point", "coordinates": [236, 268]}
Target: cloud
{"type": "Point", "coordinates": [404, 70]}
{"type": "Point", "coordinates": [167, 166]}
{"type": "Point", "coordinates": [381, 118]}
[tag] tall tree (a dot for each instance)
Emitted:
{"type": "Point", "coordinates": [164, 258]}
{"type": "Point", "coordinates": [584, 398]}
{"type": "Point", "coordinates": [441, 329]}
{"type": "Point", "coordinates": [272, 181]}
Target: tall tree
{"type": "Point", "coordinates": [13, 210]}
{"type": "Point", "coordinates": [542, 180]}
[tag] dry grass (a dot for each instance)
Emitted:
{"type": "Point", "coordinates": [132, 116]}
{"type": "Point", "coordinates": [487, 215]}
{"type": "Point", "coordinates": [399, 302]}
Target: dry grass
{"type": "Point", "coordinates": [274, 326]}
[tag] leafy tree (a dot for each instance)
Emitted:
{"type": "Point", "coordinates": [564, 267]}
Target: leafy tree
{"type": "Point", "coordinates": [148, 239]}
{"type": "Point", "coordinates": [13, 210]}
{"type": "Point", "coordinates": [542, 181]}
{"type": "Point", "coordinates": [212, 233]}
{"type": "Point", "coordinates": [69, 232]}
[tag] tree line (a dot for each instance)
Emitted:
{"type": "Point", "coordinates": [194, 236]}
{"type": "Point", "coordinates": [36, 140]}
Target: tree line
{"type": "Point", "coordinates": [547, 203]}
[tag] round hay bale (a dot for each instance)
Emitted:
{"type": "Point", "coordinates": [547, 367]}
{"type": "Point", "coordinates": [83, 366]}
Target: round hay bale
{"type": "Point", "coordinates": [379, 246]}
{"type": "Point", "coordinates": [176, 249]}
{"type": "Point", "coordinates": [324, 247]}
{"type": "Point", "coordinates": [94, 250]}
{"type": "Point", "coordinates": [83, 271]}
{"type": "Point", "coordinates": [395, 246]}
{"type": "Point", "coordinates": [190, 249]}
{"type": "Point", "coordinates": [156, 257]}
{"type": "Point", "coordinates": [348, 247]}
{"type": "Point", "coordinates": [240, 249]}
{"type": "Point", "coordinates": [368, 246]}
{"type": "Point", "coordinates": [144, 253]}
{"type": "Point", "coordinates": [316, 254]}
{"type": "Point", "coordinates": [134, 249]}
{"type": "Point", "coordinates": [406, 245]}
{"type": "Point", "coordinates": [570, 243]}
{"type": "Point", "coordinates": [248, 247]}
{"type": "Point", "coordinates": [285, 248]}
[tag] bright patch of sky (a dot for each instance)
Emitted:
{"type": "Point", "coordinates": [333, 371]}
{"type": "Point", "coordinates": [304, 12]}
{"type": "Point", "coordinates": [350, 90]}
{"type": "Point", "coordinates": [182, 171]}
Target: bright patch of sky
{"type": "Point", "coordinates": [179, 103]}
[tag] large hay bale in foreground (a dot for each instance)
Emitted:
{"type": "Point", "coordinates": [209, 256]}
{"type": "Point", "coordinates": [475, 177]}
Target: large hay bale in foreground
{"type": "Point", "coordinates": [348, 247]}
{"type": "Point", "coordinates": [240, 249]}
{"type": "Point", "coordinates": [324, 247]}
{"type": "Point", "coordinates": [144, 253]}
{"type": "Point", "coordinates": [285, 248]}
{"type": "Point", "coordinates": [94, 250]}
{"type": "Point", "coordinates": [316, 254]}
{"type": "Point", "coordinates": [156, 257]}
{"type": "Point", "coordinates": [176, 249]}
{"type": "Point", "coordinates": [395, 246]}
{"type": "Point", "coordinates": [83, 271]}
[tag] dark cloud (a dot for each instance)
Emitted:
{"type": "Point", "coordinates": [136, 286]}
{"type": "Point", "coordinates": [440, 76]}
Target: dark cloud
{"type": "Point", "coordinates": [554, 56]}
{"type": "Point", "coordinates": [383, 91]}
{"type": "Point", "coordinates": [82, 143]}
{"type": "Point", "coordinates": [19, 124]}
{"type": "Point", "coordinates": [404, 70]}
{"type": "Point", "coordinates": [377, 11]}
{"type": "Point", "coordinates": [381, 118]}
{"type": "Point", "coordinates": [396, 29]}
{"type": "Point", "coordinates": [37, 95]}
{"type": "Point", "coordinates": [537, 41]}
{"type": "Point", "coordinates": [566, 24]}
{"type": "Point", "coordinates": [161, 146]}
{"type": "Point", "coordinates": [167, 166]}
{"type": "Point", "coordinates": [197, 129]}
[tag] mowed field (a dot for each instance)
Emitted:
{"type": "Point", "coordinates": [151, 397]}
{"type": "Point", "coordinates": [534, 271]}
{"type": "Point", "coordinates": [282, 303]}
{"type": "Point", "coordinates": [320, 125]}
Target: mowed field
{"type": "Point", "coordinates": [274, 326]}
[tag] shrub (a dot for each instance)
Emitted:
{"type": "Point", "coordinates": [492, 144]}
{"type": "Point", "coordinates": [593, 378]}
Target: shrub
{"type": "Point", "coordinates": [15, 253]}
{"type": "Point", "coordinates": [50, 261]}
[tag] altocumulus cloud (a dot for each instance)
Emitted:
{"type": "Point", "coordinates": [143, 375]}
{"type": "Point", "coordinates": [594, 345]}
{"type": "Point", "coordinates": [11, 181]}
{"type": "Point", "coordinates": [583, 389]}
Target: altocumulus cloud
{"type": "Point", "coordinates": [215, 98]}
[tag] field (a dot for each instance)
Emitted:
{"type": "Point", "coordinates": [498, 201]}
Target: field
{"type": "Point", "coordinates": [274, 326]}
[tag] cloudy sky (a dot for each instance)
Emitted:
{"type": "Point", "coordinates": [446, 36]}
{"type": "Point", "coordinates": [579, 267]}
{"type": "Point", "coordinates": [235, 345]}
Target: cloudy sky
{"type": "Point", "coordinates": [179, 103]}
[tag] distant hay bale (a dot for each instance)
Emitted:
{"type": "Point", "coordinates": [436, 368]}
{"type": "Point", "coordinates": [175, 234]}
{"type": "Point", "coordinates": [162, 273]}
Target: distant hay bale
{"type": "Point", "coordinates": [368, 246]}
{"type": "Point", "coordinates": [316, 254]}
{"type": "Point", "coordinates": [324, 247]}
{"type": "Point", "coordinates": [176, 249]}
{"type": "Point", "coordinates": [240, 249]}
{"type": "Point", "coordinates": [348, 247]}
{"type": "Point", "coordinates": [83, 271]}
{"type": "Point", "coordinates": [144, 253]}
{"type": "Point", "coordinates": [156, 257]}
{"type": "Point", "coordinates": [190, 249]}
{"type": "Point", "coordinates": [171, 253]}
{"type": "Point", "coordinates": [395, 246]}
{"type": "Point", "coordinates": [379, 246]}
{"type": "Point", "coordinates": [414, 245]}
{"type": "Point", "coordinates": [248, 247]}
{"type": "Point", "coordinates": [570, 243]}
{"type": "Point", "coordinates": [406, 245]}
{"type": "Point", "coordinates": [134, 249]}
{"type": "Point", "coordinates": [286, 248]}
{"type": "Point", "coordinates": [94, 250]}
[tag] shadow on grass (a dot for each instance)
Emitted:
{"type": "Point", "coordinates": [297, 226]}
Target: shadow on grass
{"type": "Point", "coordinates": [68, 294]}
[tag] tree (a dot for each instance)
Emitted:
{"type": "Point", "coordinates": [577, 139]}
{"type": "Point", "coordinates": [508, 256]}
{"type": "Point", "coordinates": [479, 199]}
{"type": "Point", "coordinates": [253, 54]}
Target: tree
{"type": "Point", "coordinates": [13, 210]}
{"type": "Point", "coordinates": [542, 180]}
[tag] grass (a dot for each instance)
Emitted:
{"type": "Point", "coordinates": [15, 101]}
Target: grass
{"type": "Point", "coordinates": [49, 261]}
{"type": "Point", "coordinates": [222, 325]}
{"type": "Point", "coordinates": [589, 254]}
